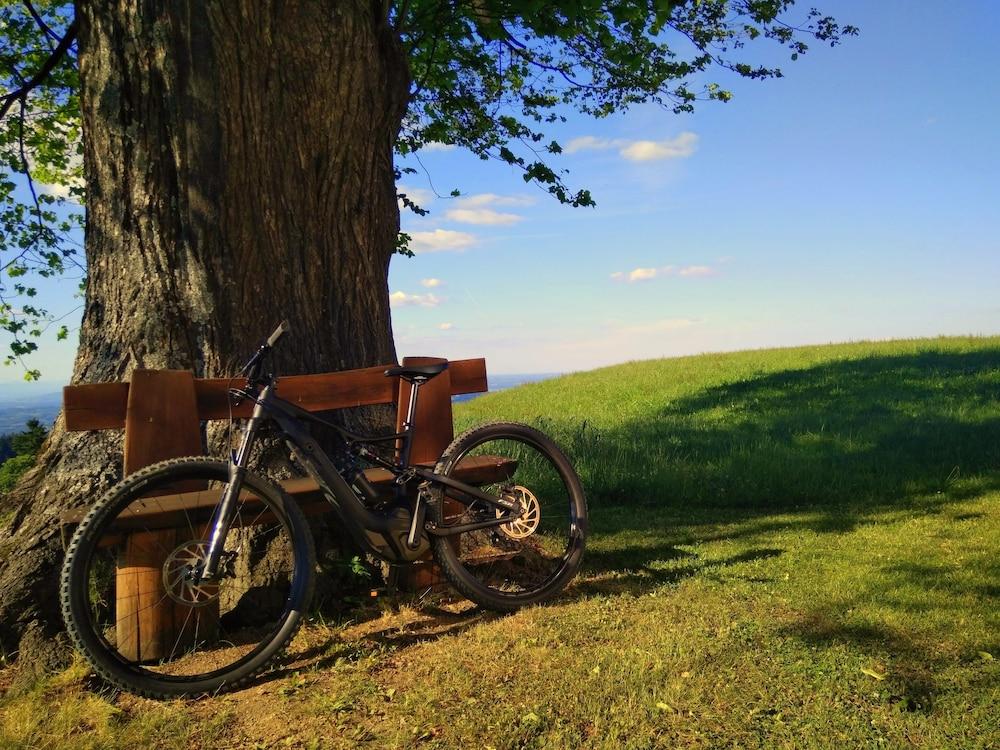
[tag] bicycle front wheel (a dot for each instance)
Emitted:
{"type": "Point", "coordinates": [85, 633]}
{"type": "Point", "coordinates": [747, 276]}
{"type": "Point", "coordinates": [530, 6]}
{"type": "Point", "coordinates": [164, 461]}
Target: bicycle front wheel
{"type": "Point", "coordinates": [528, 559]}
{"type": "Point", "coordinates": [147, 624]}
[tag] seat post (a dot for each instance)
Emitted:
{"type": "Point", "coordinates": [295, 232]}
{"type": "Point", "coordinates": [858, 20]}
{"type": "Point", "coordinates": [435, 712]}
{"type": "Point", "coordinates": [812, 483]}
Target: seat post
{"type": "Point", "coordinates": [411, 410]}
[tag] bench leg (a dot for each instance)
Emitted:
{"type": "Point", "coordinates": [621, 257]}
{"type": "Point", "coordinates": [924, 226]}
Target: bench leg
{"type": "Point", "coordinates": [143, 611]}
{"type": "Point", "coordinates": [149, 624]}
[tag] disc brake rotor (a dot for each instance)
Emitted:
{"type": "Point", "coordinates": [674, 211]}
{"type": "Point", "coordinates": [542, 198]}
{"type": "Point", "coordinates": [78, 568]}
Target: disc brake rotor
{"type": "Point", "coordinates": [527, 524]}
{"type": "Point", "coordinates": [178, 575]}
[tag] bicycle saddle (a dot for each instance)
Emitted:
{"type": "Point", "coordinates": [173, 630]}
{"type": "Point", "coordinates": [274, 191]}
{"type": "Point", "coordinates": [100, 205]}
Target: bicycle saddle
{"type": "Point", "coordinates": [422, 372]}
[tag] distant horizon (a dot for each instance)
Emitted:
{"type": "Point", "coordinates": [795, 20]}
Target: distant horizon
{"type": "Point", "coordinates": [54, 384]}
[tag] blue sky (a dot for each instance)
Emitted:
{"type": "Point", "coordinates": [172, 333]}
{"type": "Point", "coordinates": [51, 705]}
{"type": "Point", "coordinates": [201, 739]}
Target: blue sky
{"type": "Point", "coordinates": [856, 198]}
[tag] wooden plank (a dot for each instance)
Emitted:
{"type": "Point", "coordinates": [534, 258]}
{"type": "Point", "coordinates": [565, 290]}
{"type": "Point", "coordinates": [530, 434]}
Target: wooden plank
{"type": "Point", "coordinates": [161, 422]}
{"type": "Point", "coordinates": [323, 392]}
{"type": "Point", "coordinates": [143, 618]}
{"type": "Point", "coordinates": [95, 406]}
{"type": "Point", "coordinates": [102, 406]}
{"type": "Point", "coordinates": [433, 428]}
{"type": "Point", "coordinates": [162, 419]}
{"type": "Point", "coordinates": [468, 376]}
{"type": "Point", "coordinates": [199, 504]}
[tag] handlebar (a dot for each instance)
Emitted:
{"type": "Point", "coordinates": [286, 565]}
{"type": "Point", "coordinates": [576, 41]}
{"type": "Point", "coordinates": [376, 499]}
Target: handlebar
{"type": "Point", "coordinates": [254, 365]}
{"type": "Point", "coordinates": [281, 330]}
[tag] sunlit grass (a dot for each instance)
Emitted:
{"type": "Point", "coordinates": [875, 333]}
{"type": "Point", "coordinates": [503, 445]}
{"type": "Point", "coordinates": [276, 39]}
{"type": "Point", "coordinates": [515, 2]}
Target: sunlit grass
{"type": "Point", "coordinates": [791, 548]}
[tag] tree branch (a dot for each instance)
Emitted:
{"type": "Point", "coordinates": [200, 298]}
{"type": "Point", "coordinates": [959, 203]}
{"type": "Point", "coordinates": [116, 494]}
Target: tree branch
{"type": "Point", "coordinates": [27, 173]}
{"type": "Point", "coordinates": [54, 59]}
{"type": "Point", "coordinates": [40, 21]}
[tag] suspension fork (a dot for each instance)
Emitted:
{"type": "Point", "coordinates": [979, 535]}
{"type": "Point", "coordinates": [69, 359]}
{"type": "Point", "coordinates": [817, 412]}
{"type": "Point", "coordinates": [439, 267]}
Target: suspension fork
{"type": "Point", "coordinates": [226, 510]}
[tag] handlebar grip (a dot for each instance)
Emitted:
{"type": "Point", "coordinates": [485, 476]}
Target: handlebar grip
{"type": "Point", "coordinates": [280, 331]}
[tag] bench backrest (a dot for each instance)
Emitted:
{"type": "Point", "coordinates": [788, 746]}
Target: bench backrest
{"type": "Point", "coordinates": [161, 410]}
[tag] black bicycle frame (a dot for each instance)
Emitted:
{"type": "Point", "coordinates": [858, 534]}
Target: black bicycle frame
{"type": "Point", "coordinates": [397, 535]}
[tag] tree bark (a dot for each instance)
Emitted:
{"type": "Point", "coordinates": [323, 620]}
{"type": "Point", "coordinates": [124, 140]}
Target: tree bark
{"type": "Point", "coordinates": [239, 169]}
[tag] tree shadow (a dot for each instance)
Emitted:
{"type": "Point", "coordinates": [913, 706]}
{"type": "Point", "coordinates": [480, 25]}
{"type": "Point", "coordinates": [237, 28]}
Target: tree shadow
{"type": "Point", "coordinates": [913, 663]}
{"type": "Point", "coordinates": [910, 680]}
{"type": "Point", "coordinates": [431, 624]}
{"type": "Point", "coordinates": [839, 441]}
{"type": "Point", "coordinates": [607, 574]}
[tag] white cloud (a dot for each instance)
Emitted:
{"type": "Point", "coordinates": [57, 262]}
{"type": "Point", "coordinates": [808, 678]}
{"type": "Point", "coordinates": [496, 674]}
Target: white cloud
{"type": "Point", "coordinates": [679, 147]}
{"type": "Point", "coordinates": [402, 299]}
{"type": "Point", "coordinates": [482, 216]}
{"type": "Point", "coordinates": [645, 274]}
{"type": "Point", "coordinates": [441, 240]}
{"type": "Point", "coordinates": [642, 274]}
{"type": "Point", "coordinates": [431, 283]}
{"type": "Point", "coordinates": [480, 200]}
{"type": "Point", "coordinates": [62, 191]}
{"type": "Point", "coordinates": [446, 326]}
{"type": "Point", "coordinates": [478, 209]}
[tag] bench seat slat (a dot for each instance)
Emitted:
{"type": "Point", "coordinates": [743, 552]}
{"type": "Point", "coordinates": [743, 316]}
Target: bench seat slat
{"type": "Point", "coordinates": [178, 510]}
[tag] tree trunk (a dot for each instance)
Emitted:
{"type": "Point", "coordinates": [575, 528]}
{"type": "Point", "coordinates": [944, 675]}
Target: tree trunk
{"type": "Point", "coordinates": [239, 171]}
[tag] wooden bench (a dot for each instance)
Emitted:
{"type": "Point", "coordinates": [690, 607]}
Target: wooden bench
{"type": "Point", "coordinates": [161, 412]}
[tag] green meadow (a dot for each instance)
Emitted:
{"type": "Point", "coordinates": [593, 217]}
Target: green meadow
{"type": "Point", "coordinates": [792, 548]}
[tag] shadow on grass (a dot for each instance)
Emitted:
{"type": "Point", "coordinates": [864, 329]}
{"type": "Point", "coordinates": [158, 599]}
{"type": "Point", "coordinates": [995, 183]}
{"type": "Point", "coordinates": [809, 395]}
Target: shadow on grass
{"type": "Point", "coordinates": [913, 662]}
{"type": "Point", "coordinates": [910, 683]}
{"type": "Point", "coordinates": [840, 440]}
{"type": "Point", "coordinates": [617, 573]}
{"type": "Point", "coordinates": [820, 450]}
{"type": "Point", "coordinates": [433, 623]}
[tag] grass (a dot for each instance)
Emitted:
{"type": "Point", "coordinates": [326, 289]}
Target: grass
{"type": "Point", "coordinates": [790, 548]}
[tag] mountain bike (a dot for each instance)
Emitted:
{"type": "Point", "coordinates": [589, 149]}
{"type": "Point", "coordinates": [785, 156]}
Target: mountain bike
{"type": "Point", "coordinates": [233, 558]}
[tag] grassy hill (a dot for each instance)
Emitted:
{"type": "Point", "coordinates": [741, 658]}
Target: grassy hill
{"type": "Point", "coordinates": [858, 424]}
{"type": "Point", "coordinates": [790, 548]}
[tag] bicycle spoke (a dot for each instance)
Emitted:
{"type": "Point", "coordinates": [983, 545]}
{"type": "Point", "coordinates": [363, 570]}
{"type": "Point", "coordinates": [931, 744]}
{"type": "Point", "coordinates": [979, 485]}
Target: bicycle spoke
{"type": "Point", "coordinates": [198, 626]}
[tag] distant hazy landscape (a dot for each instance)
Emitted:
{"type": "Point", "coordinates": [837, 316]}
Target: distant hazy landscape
{"type": "Point", "coordinates": [20, 402]}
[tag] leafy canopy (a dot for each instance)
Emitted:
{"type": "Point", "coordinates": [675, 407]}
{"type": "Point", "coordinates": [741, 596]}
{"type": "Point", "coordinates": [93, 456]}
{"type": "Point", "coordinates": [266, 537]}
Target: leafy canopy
{"type": "Point", "coordinates": [490, 75]}
{"type": "Point", "coordinates": [487, 75]}
{"type": "Point", "coordinates": [41, 186]}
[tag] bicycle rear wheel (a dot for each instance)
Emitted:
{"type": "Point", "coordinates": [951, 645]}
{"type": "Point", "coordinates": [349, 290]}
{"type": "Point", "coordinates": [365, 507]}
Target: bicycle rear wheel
{"type": "Point", "coordinates": [528, 559]}
{"type": "Point", "coordinates": [144, 622]}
